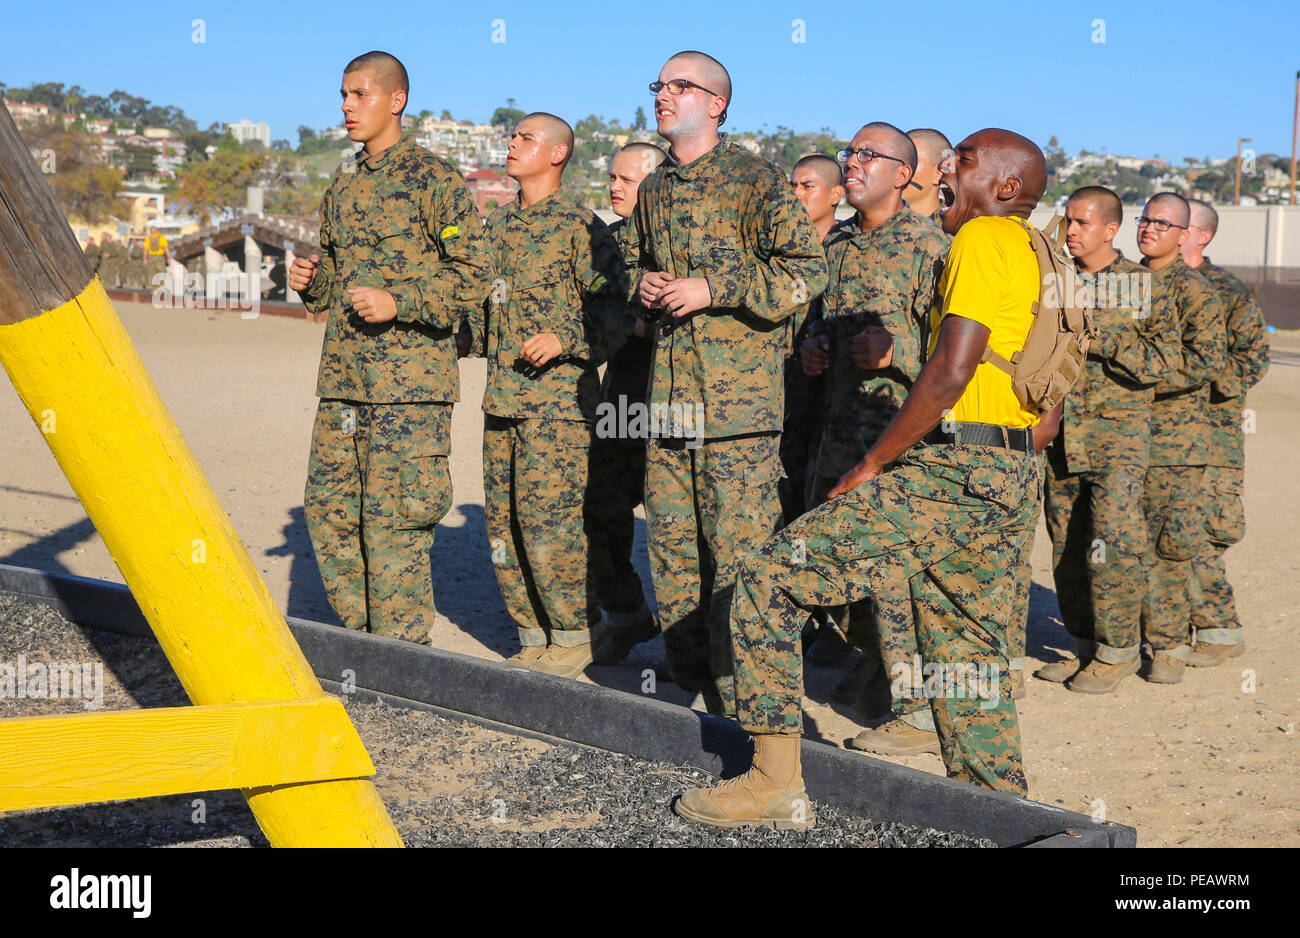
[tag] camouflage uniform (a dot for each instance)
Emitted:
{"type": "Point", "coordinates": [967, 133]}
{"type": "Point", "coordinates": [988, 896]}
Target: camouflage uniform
{"type": "Point", "coordinates": [93, 257]}
{"type": "Point", "coordinates": [885, 277]}
{"type": "Point", "coordinates": [805, 409]}
{"type": "Point", "coordinates": [133, 267]}
{"type": "Point", "coordinates": [377, 481]}
{"type": "Point", "coordinates": [616, 475]}
{"type": "Point", "coordinates": [730, 217]}
{"type": "Point", "coordinates": [1214, 613]}
{"type": "Point", "coordinates": [560, 272]}
{"type": "Point", "coordinates": [110, 264]}
{"type": "Point", "coordinates": [1098, 462]}
{"type": "Point", "coordinates": [1172, 500]}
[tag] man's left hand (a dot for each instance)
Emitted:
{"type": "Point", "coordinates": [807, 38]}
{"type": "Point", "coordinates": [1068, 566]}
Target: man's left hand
{"type": "Point", "coordinates": [873, 348]}
{"type": "Point", "coordinates": [373, 305]}
{"type": "Point", "coordinates": [685, 295]}
{"type": "Point", "coordinates": [541, 348]}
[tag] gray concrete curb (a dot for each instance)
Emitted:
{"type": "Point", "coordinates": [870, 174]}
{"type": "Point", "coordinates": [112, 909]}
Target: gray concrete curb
{"type": "Point", "coordinates": [497, 693]}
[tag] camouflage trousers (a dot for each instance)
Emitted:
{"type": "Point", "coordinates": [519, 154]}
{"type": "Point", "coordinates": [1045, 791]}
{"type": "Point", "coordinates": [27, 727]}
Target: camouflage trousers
{"type": "Point", "coordinates": [706, 507]}
{"type": "Point", "coordinates": [884, 628]}
{"type": "Point", "coordinates": [947, 526]}
{"type": "Point", "coordinates": [1100, 555]}
{"type": "Point", "coordinates": [616, 482]}
{"type": "Point", "coordinates": [534, 484]}
{"type": "Point", "coordinates": [1214, 610]}
{"type": "Point", "coordinates": [1173, 504]}
{"type": "Point", "coordinates": [377, 485]}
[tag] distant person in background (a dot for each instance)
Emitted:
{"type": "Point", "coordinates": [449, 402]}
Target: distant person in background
{"type": "Point", "coordinates": [922, 193]}
{"type": "Point", "coordinates": [1174, 501]}
{"type": "Point", "coordinates": [1217, 632]}
{"type": "Point", "coordinates": [616, 469]}
{"type": "Point", "coordinates": [133, 265]}
{"type": "Point", "coordinates": [91, 250]}
{"type": "Point", "coordinates": [402, 263]}
{"type": "Point", "coordinates": [157, 256]}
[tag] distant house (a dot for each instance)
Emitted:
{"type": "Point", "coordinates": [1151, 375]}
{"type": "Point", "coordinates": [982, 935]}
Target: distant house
{"type": "Point", "coordinates": [490, 189]}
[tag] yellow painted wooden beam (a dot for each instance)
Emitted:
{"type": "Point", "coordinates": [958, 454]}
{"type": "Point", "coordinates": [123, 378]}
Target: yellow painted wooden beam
{"type": "Point", "coordinates": [87, 391]}
{"type": "Point", "coordinates": [107, 756]}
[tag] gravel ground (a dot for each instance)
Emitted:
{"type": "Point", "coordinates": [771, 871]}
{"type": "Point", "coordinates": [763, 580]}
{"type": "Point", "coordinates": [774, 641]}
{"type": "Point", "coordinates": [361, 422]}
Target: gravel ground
{"type": "Point", "coordinates": [446, 782]}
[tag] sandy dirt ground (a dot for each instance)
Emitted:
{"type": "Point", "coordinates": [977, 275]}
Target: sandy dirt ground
{"type": "Point", "coordinates": [1209, 762]}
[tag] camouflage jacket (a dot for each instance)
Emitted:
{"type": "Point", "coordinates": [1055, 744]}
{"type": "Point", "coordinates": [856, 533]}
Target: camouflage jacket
{"type": "Point", "coordinates": [1247, 362]}
{"type": "Point", "coordinates": [1107, 416]}
{"type": "Point", "coordinates": [401, 221]}
{"type": "Point", "coordinates": [559, 271]}
{"type": "Point", "coordinates": [731, 218]}
{"type": "Point", "coordinates": [884, 277]}
{"type": "Point", "coordinates": [1180, 420]}
{"type": "Point", "coordinates": [627, 375]}
{"type": "Point", "coordinates": [805, 396]}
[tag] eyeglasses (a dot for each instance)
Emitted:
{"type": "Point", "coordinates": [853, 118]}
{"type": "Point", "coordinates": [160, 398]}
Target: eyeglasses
{"type": "Point", "coordinates": [864, 155]}
{"type": "Point", "coordinates": [678, 86]}
{"type": "Point", "coordinates": [1159, 224]}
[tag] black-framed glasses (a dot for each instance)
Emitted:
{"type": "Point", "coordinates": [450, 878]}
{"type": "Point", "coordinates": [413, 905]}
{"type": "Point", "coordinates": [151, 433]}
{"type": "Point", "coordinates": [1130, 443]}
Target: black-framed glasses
{"type": "Point", "coordinates": [864, 155]}
{"type": "Point", "coordinates": [1159, 224]}
{"type": "Point", "coordinates": [678, 86]}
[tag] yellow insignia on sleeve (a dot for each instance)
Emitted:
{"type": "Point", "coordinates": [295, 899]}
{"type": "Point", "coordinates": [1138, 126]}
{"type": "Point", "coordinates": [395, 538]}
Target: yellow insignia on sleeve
{"type": "Point", "coordinates": [598, 284]}
{"type": "Point", "coordinates": [449, 232]}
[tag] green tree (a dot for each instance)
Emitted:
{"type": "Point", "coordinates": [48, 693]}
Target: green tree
{"type": "Point", "coordinates": [84, 186]}
{"type": "Point", "coordinates": [222, 182]}
{"type": "Point", "coordinates": [638, 122]}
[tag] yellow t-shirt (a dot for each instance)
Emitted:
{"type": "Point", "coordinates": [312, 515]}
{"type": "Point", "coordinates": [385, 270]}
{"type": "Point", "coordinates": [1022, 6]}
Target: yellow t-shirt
{"type": "Point", "coordinates": [156, 244]}
{"type": "Point", "coordinates": [991, 276]}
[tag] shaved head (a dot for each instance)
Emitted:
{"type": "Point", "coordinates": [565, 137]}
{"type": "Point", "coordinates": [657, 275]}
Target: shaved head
{"type": "Point", "coordinates": [1175, 203]}
{"type": "Point", "coordinates": [1203, 215]}
{"type": "Point", "coordinates": [930, 144]}
{"type": "Point", "coordinates": [556, 130]}
{"type": "Point", "coordinates": [827, 169]}
{"type": "Point", "coordinates": [710, 73]}
{"type": "Point", "coordinates": [647, 154]}
{"type": "Point", "coordinates": [900, 144]}
{"type": "Point", "coordinates": [1105, 202]}
{"type": "Point", "coordinates": [389, 72]}
{"type": "Point", "coordinates": [1018, 157]}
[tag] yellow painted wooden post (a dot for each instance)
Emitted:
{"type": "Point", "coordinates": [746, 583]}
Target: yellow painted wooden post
{"type": "Point", "coordinates": [87, 390]}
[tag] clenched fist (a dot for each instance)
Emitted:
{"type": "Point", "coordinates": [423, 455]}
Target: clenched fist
{"type": "Point", "coordinates": [302, 272]}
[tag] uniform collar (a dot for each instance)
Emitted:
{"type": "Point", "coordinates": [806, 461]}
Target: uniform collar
{"type": "Point", "coordinates": [373, 162]}
{"type": "Point", "coordinates": [862, 238]}
{"type": "Point", "coordinates": [538, 209]}
{"type": "Point", "coordinates": [1178, 266]}
{"type": "Point", "coordinates": [701, 164]}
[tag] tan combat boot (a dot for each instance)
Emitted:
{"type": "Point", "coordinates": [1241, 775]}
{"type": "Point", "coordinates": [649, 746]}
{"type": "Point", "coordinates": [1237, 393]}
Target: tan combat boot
{"type": "Point", "coordinates": [896, 738]}
{"type": "Point", "coordinates": [1102, 678]}
{"type": "Point", "coordinates": [1166, 669]}
{"type": "Point", "coordinates": [1205, 655]}
{"type": "Point", "coordinates": [1058, 672]}
{"type": "Point", "coordinates": [770, 794]}
{"type": "Point", "coordinates": [564, 660]}
{"type": "Point", "coordinates": [527, 656]}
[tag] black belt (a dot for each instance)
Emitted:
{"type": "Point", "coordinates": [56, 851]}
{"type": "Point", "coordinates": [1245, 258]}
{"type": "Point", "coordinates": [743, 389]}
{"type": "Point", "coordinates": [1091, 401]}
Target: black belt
{"type": "Point", "coordinates": [983, 434]}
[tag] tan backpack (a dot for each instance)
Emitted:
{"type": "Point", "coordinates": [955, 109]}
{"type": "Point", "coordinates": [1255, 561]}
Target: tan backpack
{"type": "Point", "coordinates": [1043, 372]}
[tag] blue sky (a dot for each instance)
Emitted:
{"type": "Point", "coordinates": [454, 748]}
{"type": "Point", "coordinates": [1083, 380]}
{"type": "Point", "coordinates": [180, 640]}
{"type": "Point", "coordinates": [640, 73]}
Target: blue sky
{"type": "Point", "coordinates": [1173, 79]}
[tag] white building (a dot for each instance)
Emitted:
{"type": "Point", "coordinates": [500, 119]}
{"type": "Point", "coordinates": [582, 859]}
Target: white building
{"type": "Point", "coordinates": [245, 130]}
